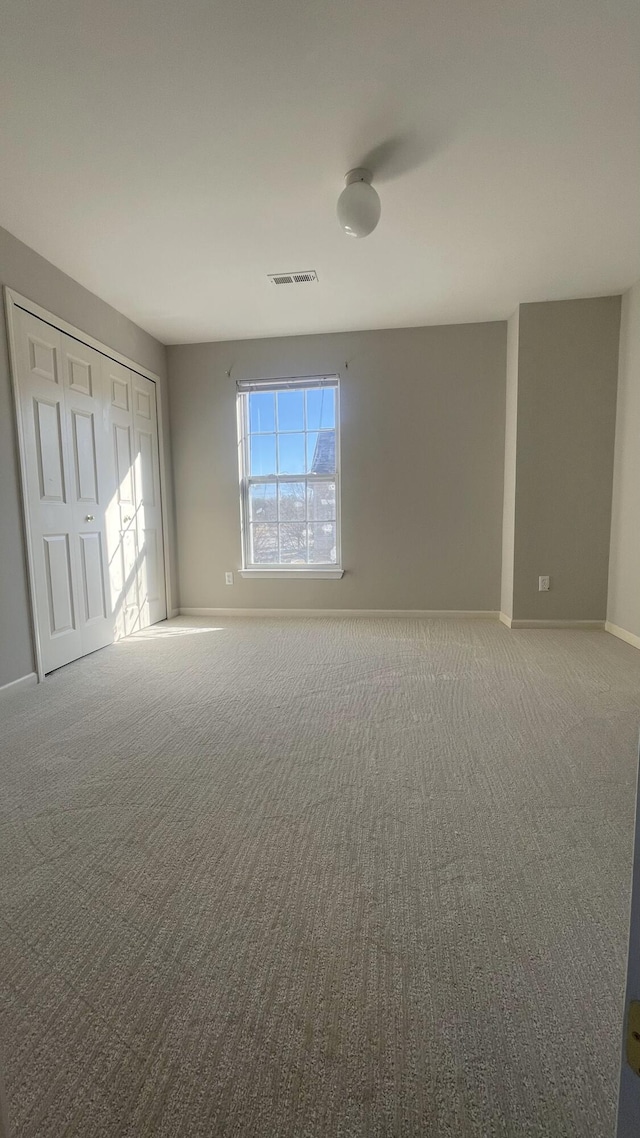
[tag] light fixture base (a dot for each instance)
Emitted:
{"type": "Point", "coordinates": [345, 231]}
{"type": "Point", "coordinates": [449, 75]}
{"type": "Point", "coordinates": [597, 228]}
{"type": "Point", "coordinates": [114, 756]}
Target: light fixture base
{"type": "Point", "coordinates": [358, 174]}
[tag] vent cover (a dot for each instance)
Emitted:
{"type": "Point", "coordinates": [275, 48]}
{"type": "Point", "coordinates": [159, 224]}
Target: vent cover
{"type": "Point", "coordinates": [306, 276]}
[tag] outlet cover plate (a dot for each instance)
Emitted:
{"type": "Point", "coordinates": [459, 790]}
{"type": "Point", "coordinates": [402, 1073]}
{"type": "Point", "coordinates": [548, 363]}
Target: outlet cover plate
{"type": "Point", "coordinates": [633, 1036]}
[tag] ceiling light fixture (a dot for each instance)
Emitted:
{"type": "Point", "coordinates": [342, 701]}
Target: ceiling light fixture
{"type": "Point", "coordinates": [358, 205]}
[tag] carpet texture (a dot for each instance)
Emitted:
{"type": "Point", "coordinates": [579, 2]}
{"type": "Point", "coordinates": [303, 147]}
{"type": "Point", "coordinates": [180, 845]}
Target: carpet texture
{"type": "Point", "coordinates": [319, 878]}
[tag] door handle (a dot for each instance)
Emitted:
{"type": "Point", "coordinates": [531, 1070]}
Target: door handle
{"type": "Point", "coordinates": [89, 518]}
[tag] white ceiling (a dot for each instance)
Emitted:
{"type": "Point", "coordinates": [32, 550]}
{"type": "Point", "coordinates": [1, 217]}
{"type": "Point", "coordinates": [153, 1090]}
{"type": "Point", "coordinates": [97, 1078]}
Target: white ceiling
{"type": "Point", "coordinates": [168, 154]}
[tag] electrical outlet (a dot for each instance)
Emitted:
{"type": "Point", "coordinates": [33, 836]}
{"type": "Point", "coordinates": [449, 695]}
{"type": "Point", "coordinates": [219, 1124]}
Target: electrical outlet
{"type": "Point", "coordinates": [543, 584]}
{"type": "Point", "coordinates": [633, 1036]}
{"type": "Point", "coordinates": [228, 578]}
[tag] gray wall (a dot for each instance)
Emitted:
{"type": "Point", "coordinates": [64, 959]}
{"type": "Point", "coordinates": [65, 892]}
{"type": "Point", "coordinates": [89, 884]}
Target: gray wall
{"type": "Point", "coordinates": [629, 1093]}
{"type": "Point", "coordinates": [567, 380]}
{"type": "Point", "coordinates": [422, 467]}
{"type": "Point", "coordinates": [33, 277]}
{"type": "Point", "coordinates": [623, 607]}
{"type": "Point", "coordinates": [510, 443]}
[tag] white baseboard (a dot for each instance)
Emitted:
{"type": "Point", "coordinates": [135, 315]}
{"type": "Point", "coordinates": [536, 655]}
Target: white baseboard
{"type": "Point", "coordinates": [502, 616]}
{"type": "Point", "coordinates": [173, 613]}
{"type": "Point", "coordinates": [585, 625]}
{"type": "Point", "coordinates": [449, 614]}
{"type": "Point", "coordinates": [16, 685]}
{"type": "Point", "coordinates": [622, 634]}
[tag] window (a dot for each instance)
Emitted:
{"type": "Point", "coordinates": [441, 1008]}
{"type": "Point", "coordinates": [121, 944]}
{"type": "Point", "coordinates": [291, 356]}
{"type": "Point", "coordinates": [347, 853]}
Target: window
{"type": "Point", "coordinates": [289, 444]}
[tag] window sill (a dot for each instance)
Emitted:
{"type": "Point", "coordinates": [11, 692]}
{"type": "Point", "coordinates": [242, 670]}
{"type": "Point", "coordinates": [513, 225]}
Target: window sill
{"type": "Point", "coordinates": [293, 574]}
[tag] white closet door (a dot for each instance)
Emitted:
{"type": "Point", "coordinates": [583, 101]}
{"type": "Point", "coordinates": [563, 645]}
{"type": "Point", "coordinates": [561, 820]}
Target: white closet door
{"type": "Point", "coordinates": [121, 523]}
{"type": "Point", "coordinates": [49, 478]}
{"type": "Point", "coordinates": [148, 514]}
{"type": "Point", "coordinates": [90, 490]}
{"type": "Point", "coordinates": [92, 484]}
{"type": "Point", "coordinates": [135, 523]}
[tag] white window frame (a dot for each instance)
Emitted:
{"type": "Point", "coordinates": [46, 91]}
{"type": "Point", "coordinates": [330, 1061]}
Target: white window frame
{"type": "Point", "coordinates": [328, 571]}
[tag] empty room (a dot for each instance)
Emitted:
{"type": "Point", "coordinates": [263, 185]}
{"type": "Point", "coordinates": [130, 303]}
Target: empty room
{"type": "Point", "coordinates": [319, 569]}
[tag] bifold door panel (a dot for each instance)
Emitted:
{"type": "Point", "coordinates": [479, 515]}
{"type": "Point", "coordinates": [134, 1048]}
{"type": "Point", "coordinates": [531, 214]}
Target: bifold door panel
{"type": "Point", "coordinates": [151, 597]}
{"type": "Point", "coordinates": [91, 468]}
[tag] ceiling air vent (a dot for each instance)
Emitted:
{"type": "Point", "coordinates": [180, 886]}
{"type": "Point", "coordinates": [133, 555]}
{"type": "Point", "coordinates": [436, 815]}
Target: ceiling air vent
{"type": "Point", "coordinates": [304, 277]}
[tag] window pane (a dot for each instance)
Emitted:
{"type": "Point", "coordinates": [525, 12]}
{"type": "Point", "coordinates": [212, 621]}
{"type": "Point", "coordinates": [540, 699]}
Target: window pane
{"type": "Point", "coordinates": [291, 436]}
{"type": "Point", "coordinates": [263, 454]}
{"type": "Point", "coordinates": [322, 543]}
{"type": "Point", "coordinates": [262, 411]}
{"type": "Point", "coordinates": [264, 544]}
{"type": "Point", "coordinates": [263, 506]}
{"type": "Point", "coordinates": [293, 543]}
{"type": "Point", "coordinates": [290, 454]}
{"type": "Point", "coordinates": [321, 452]}
{"type": "Point", "coordinates": [292, 502]}
{"type": "Point", "coordinates": [291, 410]}
{"type": "Point", "coordinates": [321, 409]}
{"type": "Point", "coordinates": [321, 501]}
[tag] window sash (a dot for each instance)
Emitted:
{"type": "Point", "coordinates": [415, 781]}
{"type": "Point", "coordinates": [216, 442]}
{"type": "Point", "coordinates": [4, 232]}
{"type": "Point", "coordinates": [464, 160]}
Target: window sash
{"type": "Point", "coordinates": [257, 479]}
{"type": "Point", "coordinates": [310, 529]}
{"type": "Point", "coordinates": [278, 522]}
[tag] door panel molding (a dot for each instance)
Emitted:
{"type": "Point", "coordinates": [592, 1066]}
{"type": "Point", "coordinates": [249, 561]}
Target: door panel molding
{"type": "Point", "coordinates": [51, 368]}
{"type": "Point", "coordinates": [84, 453]}
{"type": "Point", "coordinates": [39, 354]}
{"type": "Point", "coordinates": [93, 591]}
{"type": "Point", "coordinates": [57, 560]}
{"type": "Point", "coordinates": [50, 461]}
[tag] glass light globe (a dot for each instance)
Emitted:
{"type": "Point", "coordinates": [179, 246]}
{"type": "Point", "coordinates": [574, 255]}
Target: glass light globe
{"type": "Point", "coordinates": [358, 206]}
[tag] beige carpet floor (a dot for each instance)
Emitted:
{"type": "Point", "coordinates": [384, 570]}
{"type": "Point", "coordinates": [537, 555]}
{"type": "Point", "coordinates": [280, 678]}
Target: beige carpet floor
{"type": "Point", "coordinates": [304, 878]}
